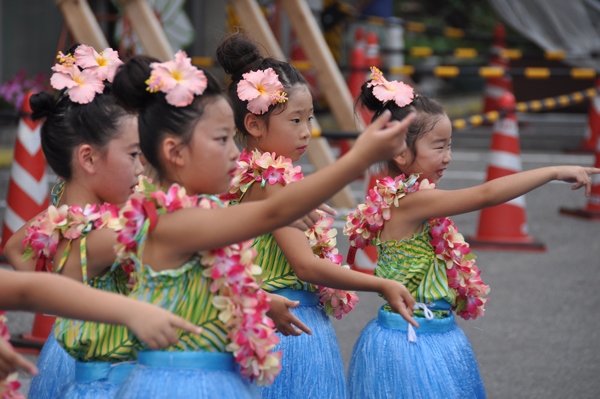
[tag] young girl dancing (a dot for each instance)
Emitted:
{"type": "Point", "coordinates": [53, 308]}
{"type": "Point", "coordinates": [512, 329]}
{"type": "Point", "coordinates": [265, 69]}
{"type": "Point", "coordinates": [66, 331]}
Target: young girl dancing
{"type": "Point", "coordinates": [93, 146]}
{"type": "Point", "coordinates": [405, 218]}
{"type": "Point", "coordinates": [186, 132]}
{"type": "Point", "coordinates": [273, 111]}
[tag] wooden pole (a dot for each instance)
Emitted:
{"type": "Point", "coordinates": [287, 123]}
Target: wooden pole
{"type": "Point", "coordinates": [318, 151]}
{"type": "Point", "coordinates": [329, 75]}
{"type": "Point", "coordinates": [82, 23]}
{"type": "Point", "coordinates": [148, 29]}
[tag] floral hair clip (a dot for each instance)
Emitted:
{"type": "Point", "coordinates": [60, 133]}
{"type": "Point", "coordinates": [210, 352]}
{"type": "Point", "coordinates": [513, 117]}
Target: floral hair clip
{"type": "Point", "coordinates": [385, 91]}
{"type": "Point", "coordinates": [261, 89]}
{"type": "Point", "coordinates": [178, 79]}
{"type": "Point", "coordinates": [83, 73]}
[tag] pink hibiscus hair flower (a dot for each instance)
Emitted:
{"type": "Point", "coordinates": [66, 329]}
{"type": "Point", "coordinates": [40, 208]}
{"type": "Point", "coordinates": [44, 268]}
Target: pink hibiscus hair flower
{"type": "Point", "coordinates": [81, 86]}
{"type": "Point", "coordinates": [104, 64]}
{"type": "Point", "coordinates": [261, 89]}
{"type": "Point", "coordinates": [178, 79]}
{"type": "Point", "coordinates": [385, 91]}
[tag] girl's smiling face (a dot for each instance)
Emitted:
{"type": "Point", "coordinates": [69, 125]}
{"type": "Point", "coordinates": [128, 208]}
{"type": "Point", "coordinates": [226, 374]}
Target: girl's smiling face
{"type": "Point", "coordinates": [288, 132]}
{"type": "Point", "coordinates": [433, 153]}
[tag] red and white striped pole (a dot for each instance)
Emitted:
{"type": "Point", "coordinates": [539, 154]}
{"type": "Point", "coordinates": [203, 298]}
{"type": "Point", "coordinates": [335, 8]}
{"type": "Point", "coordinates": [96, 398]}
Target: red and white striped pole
{"type": "Point", "coordinates": [505, 226]}
{"type": "Point", "coordinates": [496, 87]}
{"type": "Point", "coordinates": [28, 192]}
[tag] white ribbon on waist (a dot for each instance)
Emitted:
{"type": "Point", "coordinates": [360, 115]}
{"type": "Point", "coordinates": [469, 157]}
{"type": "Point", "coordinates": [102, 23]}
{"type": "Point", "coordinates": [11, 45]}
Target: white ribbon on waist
{"type": "Point", "coordinates": [412, 335]}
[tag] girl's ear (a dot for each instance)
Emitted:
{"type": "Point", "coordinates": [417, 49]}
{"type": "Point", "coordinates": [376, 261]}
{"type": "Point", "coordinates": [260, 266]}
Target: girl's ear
{"type": "Point", "coordinates": [254, 125]}
{"type": "Point", "coordinates": [87, 158]}
{"type": "Point", "coordinates": [402, 159]}
{"type": "Point", "coordinates": [171, 150]}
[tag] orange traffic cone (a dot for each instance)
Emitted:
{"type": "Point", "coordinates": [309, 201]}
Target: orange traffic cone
{"type": "Point", "coordinates": [358, 63]}
{"type": "Point", "coordinates": [592, 209]}
{"type": "Point", "coordinates": [27, 196]}
{"type": "Point", "coordinates": [504, 227]}
{"type": "Point", "coordinates": [28, 192]}
{"type": "Point", "coordinates": [592, 131]}
{"type": "Point", "coordinates": [496, 87]}
{"type": "Point", "coordinates": [365, 260]}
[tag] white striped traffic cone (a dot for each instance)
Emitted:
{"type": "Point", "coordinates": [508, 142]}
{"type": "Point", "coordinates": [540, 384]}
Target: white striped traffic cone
{"type": "Point", "coordinates": [592, 210]}
{"type": "Point", "coordinates": [28, 192]}
{"type": "Point", "coordinates": [27, 196]}
{"type": "Point", "coordinates": [496, 87]}
{"type": "Point", "coordinates": [592, 130]}
{"type": "Point", "coordinates": [505, 226]}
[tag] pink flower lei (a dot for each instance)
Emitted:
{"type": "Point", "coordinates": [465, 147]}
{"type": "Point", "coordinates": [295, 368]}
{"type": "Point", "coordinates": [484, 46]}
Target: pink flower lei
{"type": "Point", "coordinates": [83, 73]}
{"type": "Point", "coordinates": [265, 168]}
{"type": "Point", "coordinates": [242, 304]}
{"type": "Point", "coordinates": [450, 247]}
{"type": "Point", "coordinates": [10, 385]}
{"type": "Point", "coordinates": [69, 222]}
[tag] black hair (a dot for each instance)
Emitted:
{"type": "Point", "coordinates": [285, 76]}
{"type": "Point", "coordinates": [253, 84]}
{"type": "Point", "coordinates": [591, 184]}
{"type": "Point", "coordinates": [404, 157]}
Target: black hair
{"type": "Point", "coordinates": [238, 55]}
{"type": "Point", "coordinates": [156, 117]}
{"type": "Point", "coordinates": [428, 113]}
{"type": "Point", "coordinates": [69, 124]}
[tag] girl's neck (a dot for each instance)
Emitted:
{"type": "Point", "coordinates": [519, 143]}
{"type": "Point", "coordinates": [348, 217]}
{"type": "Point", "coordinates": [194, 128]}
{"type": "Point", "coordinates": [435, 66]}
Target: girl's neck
{"type": "Point", "coordinates": [77, 194]}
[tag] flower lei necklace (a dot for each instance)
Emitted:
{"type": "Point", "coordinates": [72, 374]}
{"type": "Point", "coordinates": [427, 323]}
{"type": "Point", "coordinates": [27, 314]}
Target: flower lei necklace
{"type": "Point", "coordinates": [450, 247]}
{"type": "Point", "coordinates": [10, 385]}
{"type": "Point", "coordinates": [71, 223]}
{"type": "Point", "coordinates": [242, 304]}
{"type": "Point", "coordinates": [265, 168]}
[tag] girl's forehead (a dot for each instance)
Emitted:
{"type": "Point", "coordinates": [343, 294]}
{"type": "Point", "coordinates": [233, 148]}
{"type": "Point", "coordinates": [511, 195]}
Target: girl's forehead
{"type": "Point", "coordinates": [299, 97]}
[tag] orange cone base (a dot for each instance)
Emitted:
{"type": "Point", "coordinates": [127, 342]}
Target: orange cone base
{"type": "Point", "coordinates": [41, 330]}
{"type": "Point", "coordinates": [26, 347]}
{"type": "Point", "coordinates": [583, 213]}
{"type": "Point", "coordinates": [520, 244]}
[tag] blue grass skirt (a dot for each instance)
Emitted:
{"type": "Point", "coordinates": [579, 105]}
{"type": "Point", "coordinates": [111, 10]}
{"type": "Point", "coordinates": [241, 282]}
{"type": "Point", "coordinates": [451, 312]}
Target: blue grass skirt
{"type": "Point", "coordinates": [56, 368]}
{"type": "Point", "coordinates": [96, 380]}
{"type": "Point", "coordinates": [311, 365]}
{"type": "Point", "coordinates": [186, 375]}
{"type": "Point", "coordinates": [441, 364]}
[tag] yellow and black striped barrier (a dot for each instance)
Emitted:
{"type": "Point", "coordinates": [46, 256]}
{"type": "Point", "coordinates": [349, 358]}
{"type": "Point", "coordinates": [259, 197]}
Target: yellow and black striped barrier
{"type": "Point", "coordinates": [452, 71]}
{"type": "Point", "coordinates": [450, 32]}
{"type": "Point", "coordinates": [509, 53]}
{"type": "Point", "coordinates": [545, 104]}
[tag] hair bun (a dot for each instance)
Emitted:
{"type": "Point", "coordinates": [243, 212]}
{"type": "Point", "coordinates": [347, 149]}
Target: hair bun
{"type": "Point", "coordinates": [42, 105]}
{"type": "Point", "coordinates": [367, 99]}
{"type": "Point", "coordinates": [129, 85]}
{"type": "Point", "coordinates": [237, 54]}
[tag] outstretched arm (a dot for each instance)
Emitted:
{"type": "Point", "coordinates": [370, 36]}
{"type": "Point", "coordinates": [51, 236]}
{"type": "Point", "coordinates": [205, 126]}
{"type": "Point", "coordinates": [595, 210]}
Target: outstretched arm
{"type": "Point", "coordinates": [48, 293]}
{"type": "Point", "coordinates": [426, 204]}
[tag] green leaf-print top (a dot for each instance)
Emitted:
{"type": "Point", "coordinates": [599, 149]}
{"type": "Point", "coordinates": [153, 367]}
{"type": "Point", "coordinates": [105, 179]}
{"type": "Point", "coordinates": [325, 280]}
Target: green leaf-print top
{"type": "Point", "coordinates": [277, 272]}
{"type": "Point", "coordinates": [413, 263]}
{"type": "Point", "coordinates": [89, 341]}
